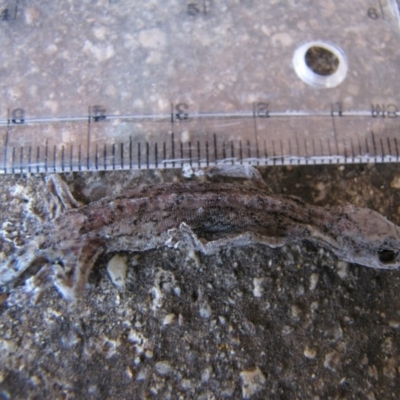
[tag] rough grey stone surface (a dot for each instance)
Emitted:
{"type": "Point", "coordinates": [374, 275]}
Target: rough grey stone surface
{"type": "Point", "coordinates": [252, 322]}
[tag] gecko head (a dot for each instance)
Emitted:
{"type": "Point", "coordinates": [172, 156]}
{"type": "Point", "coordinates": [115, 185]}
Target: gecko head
{"type": "Point", "coordinates": [369, 239]}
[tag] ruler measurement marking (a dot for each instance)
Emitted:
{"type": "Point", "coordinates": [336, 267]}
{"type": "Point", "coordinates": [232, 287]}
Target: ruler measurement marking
{"type": "Point", "coordinates": [207, 155]}
{"type": "Point", "coordinates": [314, 150]}
{"type": "Point", "coordinates": [335, 132]}
{"type": "Point", "coordinates": [181, 147]}
{"type": "Point", "coordinates": [265, 153]}
{"type": "Point", "coordinates": [173, 149]}
{"type": "Point", "coordinates": [190, 153]}
{"type": "Point", "coordinates": [113, 156]}
{"type": "Point", "coordinates": [80, 157]}
{"type": "Point", "coordinates": [215, 150]}
{"type": "Point", "coordinates": [329, 151]}
{"type": "Point", "coordinates": [96, 158]}
{"type": "Point", "coordinates": [46, 155]}
{"type": "Point", "coordinates": [54, 158]}
{"type": "Point", "coordinates": [397, 149]}
{"type": "Point", "coordinates": [390, 149]}
{"type": "Point", "coordinates": [21, 158]}
{"type": "Point", "coordinates": [345, 151]}
{"type": "Point", "coordinates": [352, 150]}
{"type": "Point", "coordinates": [37, 159]}
{"type": "Point", "coordinates": [297, 147]}
{"type": "Point", "coordinates": [374, 146]}
{"type": "Point", "coordinates": [130, 152]}
{"type": "Point", "coordinates": [198, 154]}
{"type": "Point", "coordinates": [382, 150]}
{"type": "Point", "coordinates": [71, 153]}
{"type": "Point", "coordinates": [7, 138]}
{"type": "Point", "coordinates": [147, 155]}
{"type": "Point", "coordinates": [307, 158]}
{"type": "Point", "coordinates": [256, 132]}
{"type": "Point", "coordinates": [156, 153]}
{"type": "Point", "coordinates": [321, 145]}
{"type": "Point", "coordinates": [273, 152]}
{"type": "Point", "coordinates": [139, 156]}
{"type": "Point", "coordinates": [6, 149]}
{"type": "Point", "coordinates": [62, 158]}
{"type": "Point", "coordinates": [13, 160]}
{"type": "Point", "coordinates": [105, 157]}
{"type": "Point", "coordinates": [240, 152]}
{"type": "Point", "coordinates": [88, 137]}
{"type": "Point", "coordinates": [360, 150]}
{"type": "Point", "coordinates": [164, 161]}
{"type": "Point", "coordinates": [367, 148]}
{"type": "Point", "coordinates": [232, 152]}
{"type": "Point", "coordinates": [30, 158]}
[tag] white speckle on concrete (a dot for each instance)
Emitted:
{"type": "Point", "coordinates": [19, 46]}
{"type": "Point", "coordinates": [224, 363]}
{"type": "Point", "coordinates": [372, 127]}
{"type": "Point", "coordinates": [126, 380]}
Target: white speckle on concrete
{"type": "Point", "coordinates": [149, 353]}
{"type": "Point", "coordinates": [310, 353]}
{"type": "Point", "coordinates": [395, 184]}
{"type": "Point", "coordinates": [152, 38]}
{"type": "Point", "coordinates": [164, 368]}
{"type": "Point", "coordinates": [282, 40]}
{"type": "Point", "coordinates": [142, 375]}
{"type": "Point", "coordinates": [313, 281]}
{"type": "Point", "coordinates": [296, 311]}
{"type": "Point", "coordinates": [186, 384]}
{"type": "Point", "coordinates": [7, 347]}
{"type": "Point", "coordinates": [116, 269]}
{"type": "Point", "coordinates": [129, 373]}
{"type": "Point", "coordinates": [205, 375]}
{"type": "Point", "coordinates": [331, 360]}
{"type": "Point", "coordinates": [205, 311]}
{"type": "Point", "coordinates": [252, 382]}
{"type": "Point", "coordinates": [258, 290]}
{"type": "Point", "coordinates": [169, 319]}
{"type": "Point", "coordinates": [100, 32]}
{"type": "Point", "coordinates": [100, 52]}
{"type": "Point", "coordinates": [342, 269]}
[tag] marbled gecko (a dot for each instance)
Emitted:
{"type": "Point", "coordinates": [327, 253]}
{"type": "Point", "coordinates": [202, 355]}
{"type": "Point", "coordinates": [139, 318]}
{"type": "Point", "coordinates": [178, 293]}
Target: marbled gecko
{"type": "Point", "coordinates": [207, 216]}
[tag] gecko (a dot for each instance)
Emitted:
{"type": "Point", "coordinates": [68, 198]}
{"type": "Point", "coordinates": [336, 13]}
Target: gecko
{"type": "Point", "coordinates": [203, 215]}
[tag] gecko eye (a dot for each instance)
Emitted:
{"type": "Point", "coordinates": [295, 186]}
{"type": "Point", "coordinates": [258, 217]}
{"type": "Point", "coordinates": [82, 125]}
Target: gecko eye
{"type": "Point", "coordinates": [387, 256]}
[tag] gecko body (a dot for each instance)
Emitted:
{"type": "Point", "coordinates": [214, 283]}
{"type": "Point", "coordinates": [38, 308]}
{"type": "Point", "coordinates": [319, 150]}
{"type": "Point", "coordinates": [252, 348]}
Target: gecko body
{"type": "Point", "coordinates": [208, 217]}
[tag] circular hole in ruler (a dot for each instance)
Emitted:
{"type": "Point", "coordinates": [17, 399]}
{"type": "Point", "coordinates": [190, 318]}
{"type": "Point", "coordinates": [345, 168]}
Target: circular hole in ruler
{"type": "Point", "coordinates": [320, 64]}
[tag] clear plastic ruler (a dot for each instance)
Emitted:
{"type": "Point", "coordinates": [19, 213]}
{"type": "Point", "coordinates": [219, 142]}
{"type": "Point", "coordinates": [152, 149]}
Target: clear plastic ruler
{"type": "Point", "coordinates": [120, 84]}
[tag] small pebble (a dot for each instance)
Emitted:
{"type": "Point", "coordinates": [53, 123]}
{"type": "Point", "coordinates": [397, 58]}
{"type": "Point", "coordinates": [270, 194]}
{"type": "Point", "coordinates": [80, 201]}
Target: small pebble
{"type": "Point", "coordinates": [116, 269]}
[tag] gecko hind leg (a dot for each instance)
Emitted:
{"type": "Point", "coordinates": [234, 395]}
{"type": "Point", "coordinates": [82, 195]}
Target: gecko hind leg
{"type": "Point", "coordinates": [70, 286]}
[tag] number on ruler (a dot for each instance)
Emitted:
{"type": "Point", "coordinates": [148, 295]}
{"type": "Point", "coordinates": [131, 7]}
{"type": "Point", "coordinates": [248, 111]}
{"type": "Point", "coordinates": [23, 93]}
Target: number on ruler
{"type": "Point", "coordinates": [5, 14]}
{"type": "Point", "coordinates": [373, 13]}
{"type": "Point", "coordinates": [97, 113]}
{"type": "Point", "coordinates": [9, 10]}
{"type": "Point", "coordinates": [384, 110]}
{"type": "Point", "coordinates": [181, 111]}
{"type": "Point", "coordinates": [197, 7]}
{"type": "Point", "coordinates": [262, 110]}
{"type": "Point", "coordinates": [18, 116]}
{"type": "Point", "coordinates": [376, 13]}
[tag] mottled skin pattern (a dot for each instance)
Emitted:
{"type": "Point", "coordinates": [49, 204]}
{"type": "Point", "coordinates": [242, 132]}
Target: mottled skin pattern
{"type": "Point", "coordinates": [205, 216]}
